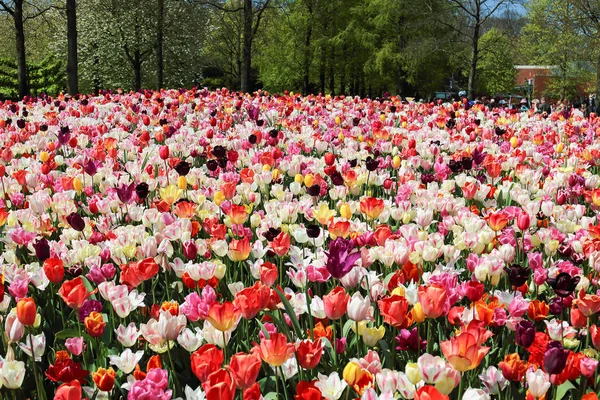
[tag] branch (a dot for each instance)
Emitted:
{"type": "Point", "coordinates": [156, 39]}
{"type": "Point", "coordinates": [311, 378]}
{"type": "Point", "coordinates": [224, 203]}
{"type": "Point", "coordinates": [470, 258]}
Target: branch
{"type": "Point", "coordinates": [39, 12]}
{"type": "Point", "coordinates": [464, 8]}
{"type": "Point", "coordinates": [498, 5]}
{"type": "Point", "coordinates": [259, 16]}
{"type": "Point", "coordinates": [216, 5]}
{"type": "Point", "coordinates": [6, 8]}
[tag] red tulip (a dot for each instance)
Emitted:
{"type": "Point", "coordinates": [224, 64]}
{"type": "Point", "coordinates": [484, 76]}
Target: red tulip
{"type": "Point", "coordinates": [74, 292]}
{"type": "Point", "coordinates": [336, 303]}
{"type": "Point", "coordinates": [219, 386]}
{"type": "Point", "coordinates": [69, 391]}
{"type": "Point", "coordinates": [54, 270]}
{"type": "Point", "coordinates": [308, 353]}
{"type": "Point", "coordinates": [206, 360]}
{"type": "Point", "coordinates": [244, 369]}
{"type": "Point", "coordinates": [163, 152]}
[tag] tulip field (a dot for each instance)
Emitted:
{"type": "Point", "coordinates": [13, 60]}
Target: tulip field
{"type": "Point", "coordinates": [188, 244]}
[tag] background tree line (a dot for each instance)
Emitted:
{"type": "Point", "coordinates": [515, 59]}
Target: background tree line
{"type": "Point", "coordinates": [356, 47]}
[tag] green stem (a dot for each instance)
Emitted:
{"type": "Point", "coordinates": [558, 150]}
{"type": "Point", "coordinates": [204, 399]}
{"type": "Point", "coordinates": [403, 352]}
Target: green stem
{"type": "Point", "coordinates": [38, 384]}
{"type": "Point", "coordinates": [283, 380]}
{"type": "Point", "coordinates": [175, 378]}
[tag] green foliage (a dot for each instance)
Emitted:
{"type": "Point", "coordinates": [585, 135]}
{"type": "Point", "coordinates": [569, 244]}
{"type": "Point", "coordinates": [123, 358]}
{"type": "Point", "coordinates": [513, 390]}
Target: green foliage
{"type": "Point", "coordinates": [46, 76]}
{"type": "Point", "coordinates": [496, 67]}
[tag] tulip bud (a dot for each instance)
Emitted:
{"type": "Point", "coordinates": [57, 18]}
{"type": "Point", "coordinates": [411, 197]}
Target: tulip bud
{"type": "Point", "coordinates": [345, 211]}
{"type": "Point", "coordinates": [26, 311]}
{"type": "Point", "coordinates": [190, 250]}
{"type": "Point", "coordinates": [182, 182]}
{"type": "Point", "coordinates": [523, 221]}
{"type": "Point", "coordinates": [163, 152]}
{"type": "Point", "coordinates": [77, 185]}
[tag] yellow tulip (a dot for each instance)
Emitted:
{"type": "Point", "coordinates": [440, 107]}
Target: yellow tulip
{"type": "Point", "coordinates": [345, 211]}
{"type": "Point", "coordinates": [218, 198]}
{"type": "Point", "coordinates": [323, 214]}
{"type": "Point", "coordinates": [44, 156]}
{"type": "Point", "coordinates": [182, 183]}
{"type": "Point", "coordinates": [170, 194]}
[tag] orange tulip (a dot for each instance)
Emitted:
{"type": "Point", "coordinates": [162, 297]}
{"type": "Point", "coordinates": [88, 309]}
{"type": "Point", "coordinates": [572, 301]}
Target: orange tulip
{"type": "Point", "coordinates": [322, 331]}
{"type": "Point", "coordinates": [372, 207]}
{"type": "Point", "coordinates": [104, 379]}
{"type": "Point", "coordinates": [229, 189]}
{"type": "Point", "coordinates": [94, 324]}
{"type": "Point", "coordinates": [339, 229]}
{"type": "Point", "coordinates": [433, 301]}
{"type": "Point", "coordinates": [223, 316]}
{"type": "Point", "coordinates": [276, 350]}
{"type": "Point", "coordinates": [357, 378]}
{"type": "Point", "coordinates": [463, 351]}
{"type": "Point", "coordinates": [588, 304]}
{"type": "Point", "coordinates": [26, 311]}
{"type": "Point", "coordinates": [395, 311]}
{"type": "Point", "coordinates": [538, 310]}
{"type": "Point", "coordinates": [54, 269]}
{"type": "Point", "coordinates": [513, 368]}
{"type": "Point", "coordinates": [239, 249]}
{"type": "Point", "coordinates": [237, 214]}
{"type": "Point", "coordinates": [497, 221]}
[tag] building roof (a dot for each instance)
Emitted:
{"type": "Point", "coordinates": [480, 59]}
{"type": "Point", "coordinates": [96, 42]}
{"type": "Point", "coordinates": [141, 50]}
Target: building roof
{"type": "Point", "coordinates": [535, 66]}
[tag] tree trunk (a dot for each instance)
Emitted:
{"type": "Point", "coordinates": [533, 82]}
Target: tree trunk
{"type": "Point", "coordinates": [72, 72]}
{"type": "Point", "coordinates": [160, 25]}
{"type": "Point", "coordinates": [307, 60]}
{"type": "Point", "coordinates": [20, 47]}
{"type": "Point", "coordinates": [322, 72]}
{"type": "Point", "coordinates": [474, 59]}
{"type": "Point", "coordinates": [343, 71]}
{"type": "Point", "coordinates": [332, 72]}
{"type": "Point", "coordinates": [597, 81]}
{"type": "Point", "coordinates": [137, 69]}
{"type": "Point", "coordinates": [246, 48]}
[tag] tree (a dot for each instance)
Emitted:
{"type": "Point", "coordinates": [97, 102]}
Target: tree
{"type": "Point", "coordinates": [160, 40]}
{"type": "Point", "coordinates": [470, 17]}
{"type": "Point", "coordinates": [252, 12]}
{"type": "Point", "coordinates": [72, 67]}
{"type": "Point", "coordinates": [496, 67]}
{"type": "Point", "coordinates": [21, 11]}
{"type": "Point", "coordinates": [554, 37]}
{"type": "Point", "coordinates": [590, 11]}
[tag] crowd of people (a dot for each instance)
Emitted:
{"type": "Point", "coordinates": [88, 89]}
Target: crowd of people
{"type": "Point", "coordinates": [581, 106]}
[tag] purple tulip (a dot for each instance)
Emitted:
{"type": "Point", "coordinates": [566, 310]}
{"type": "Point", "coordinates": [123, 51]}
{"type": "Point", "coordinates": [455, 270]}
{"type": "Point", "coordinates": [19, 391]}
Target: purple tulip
{"type": "Point", "coordinates": [341, 257]}
{"type": "Point", "coordinates": [525, 333]}
{"type": "Point", "coordinates": [555, 358]}
{"type": "Point", "coordinates": [410, 340]}
{"type": "Point", "coordinates": [90, 168]}
{"type": "Point", "coordinates": [253, 113]}
{"type": "Point", "coordinates": [88, 307]}
{"type": "Point", "coordinates": [76, 222]}
{"type": "Point", "coordinates": [125, 192]}
{"type": "Point", "coordinates": [42, 249]}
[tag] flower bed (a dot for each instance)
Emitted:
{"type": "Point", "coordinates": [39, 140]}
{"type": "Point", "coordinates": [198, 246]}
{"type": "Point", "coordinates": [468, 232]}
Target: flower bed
{"type": "Point", "coordinates": [195, 244]}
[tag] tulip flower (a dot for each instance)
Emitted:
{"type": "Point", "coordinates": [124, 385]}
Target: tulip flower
{"type": "Point", "coordinates": [275, 350]}
{"type": "Point", "coordinates": [104, 379]}
{"type": "Point", "coordinates": [244, 369]}
{"type": "Point", "coordinates": [54, 270]}
{"type": "Point", "coordinates": [223, 316]}
{"type": "Point", "coordinates": [308, 353]}
{"type": "Point", "coordinates": [26, 311]}
{"type": "Point", "coordinates": [336, 303]}
{"type": "Point", "coordinates": [74, 292]}
{"type": "Point", "coordinates": [357, 378]}
{"type": "Point", "coordinates": [463, 351]}
{"type": "Point", "coordinates": [341, 257]}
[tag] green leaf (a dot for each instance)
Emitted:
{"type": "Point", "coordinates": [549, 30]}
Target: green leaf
{"type": "Point", "coordinates": [71, 333]}
{"type": "Point", "coordinates": [290, 311]}
{"type": "Point", "coordinates": [347, 327]}
{"type": "Point", "coordinates": [263, 329]}
{"type": "Point", "coordinates": [563, 389]}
